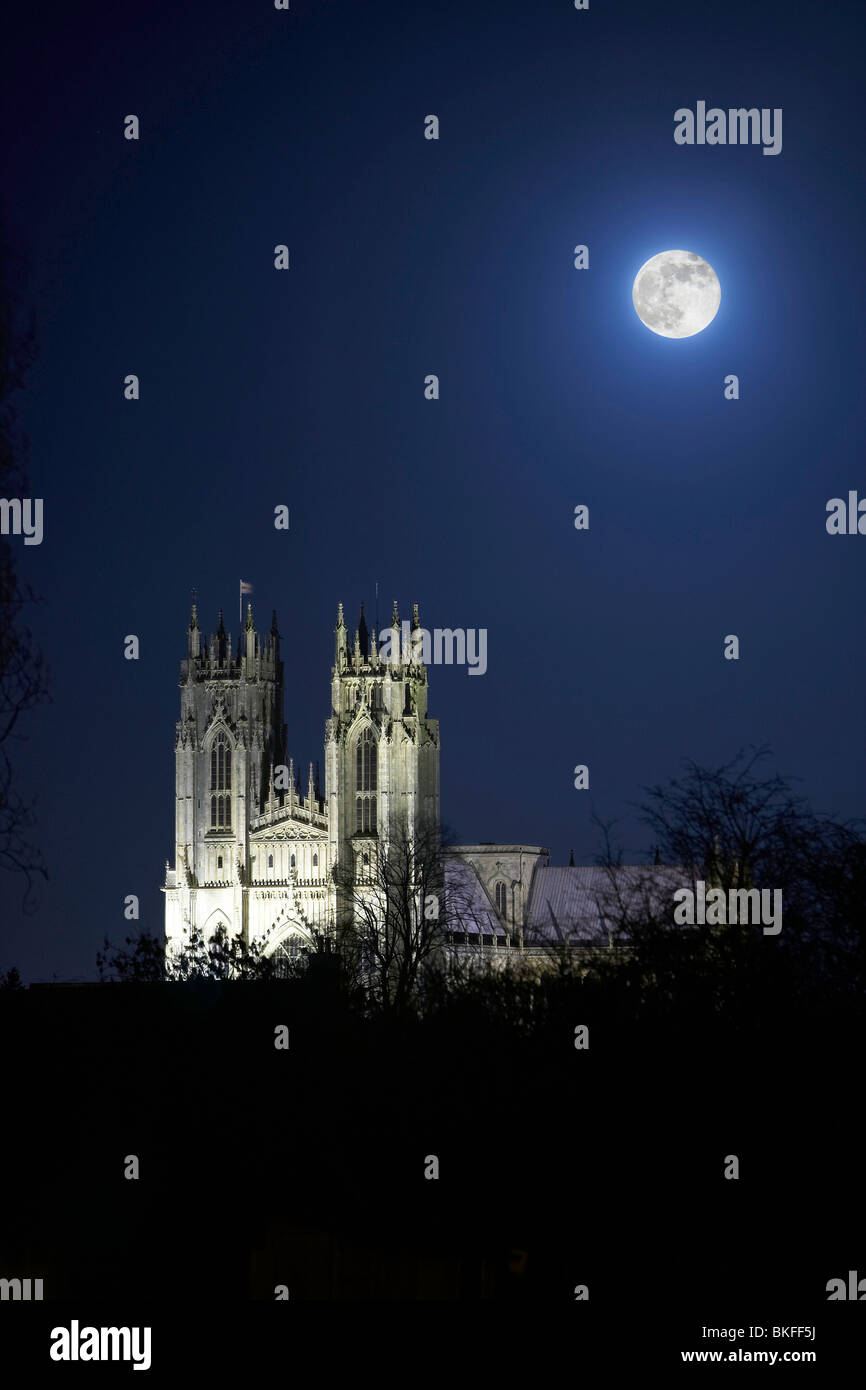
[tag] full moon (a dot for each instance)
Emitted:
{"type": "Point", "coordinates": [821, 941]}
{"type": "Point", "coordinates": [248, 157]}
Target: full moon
{"type": "Point", "coordinates": [676, 294]}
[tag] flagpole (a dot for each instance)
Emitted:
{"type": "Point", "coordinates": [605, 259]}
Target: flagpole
{"type": "Point", "coordinates": [243, 588]}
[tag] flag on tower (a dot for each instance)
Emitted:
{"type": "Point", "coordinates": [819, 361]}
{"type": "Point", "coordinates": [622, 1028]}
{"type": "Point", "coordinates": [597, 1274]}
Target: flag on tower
{"type": "Point", "coordinates": [245, 589]}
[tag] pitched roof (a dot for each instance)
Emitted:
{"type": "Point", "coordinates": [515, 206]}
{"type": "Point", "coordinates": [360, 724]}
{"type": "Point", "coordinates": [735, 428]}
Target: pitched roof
{"type": "Point", "coordinates": [585, 904]}
{"type": "Point", "coordinates": [469, 906]}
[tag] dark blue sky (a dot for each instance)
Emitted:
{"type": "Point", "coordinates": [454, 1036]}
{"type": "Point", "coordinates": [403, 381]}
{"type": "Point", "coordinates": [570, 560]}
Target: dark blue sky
{"type": "Point", "coordinates": [409, 257]}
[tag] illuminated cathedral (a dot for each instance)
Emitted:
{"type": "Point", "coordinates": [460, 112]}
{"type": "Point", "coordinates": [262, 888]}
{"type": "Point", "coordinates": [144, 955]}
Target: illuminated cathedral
{"type": "Point", "coordinates": [268, 859]}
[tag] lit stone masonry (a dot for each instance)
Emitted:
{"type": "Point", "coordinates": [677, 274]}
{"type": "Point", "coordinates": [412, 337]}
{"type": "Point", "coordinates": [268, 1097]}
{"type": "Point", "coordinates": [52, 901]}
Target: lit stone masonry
{"type": "Point", "coordinates": [277, 865]}
{"type": "Point", "coordinates": [247, 856]}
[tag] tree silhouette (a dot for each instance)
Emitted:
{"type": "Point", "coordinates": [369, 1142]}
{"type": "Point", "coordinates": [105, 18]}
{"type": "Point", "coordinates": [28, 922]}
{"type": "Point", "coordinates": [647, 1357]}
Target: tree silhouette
{"type": "Point", "coordinates": [399, 914]}
{"type": "Point", "coordinates": [738, 826]}
{"type": "Point", "coordinates": [219, 957]}
{"type": "Point", "coordinates": [22, 672]}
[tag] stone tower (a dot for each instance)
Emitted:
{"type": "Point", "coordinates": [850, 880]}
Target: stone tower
{"type": "Point", "coordinates": [252, 853]}
{"type": "Point", "coordinates": [229, 737]}
{"type": "Point", "coordinates": [381, 749]}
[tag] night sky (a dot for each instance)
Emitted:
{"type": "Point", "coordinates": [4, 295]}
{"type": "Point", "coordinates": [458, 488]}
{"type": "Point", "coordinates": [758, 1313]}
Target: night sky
{"type": "Point", "coordinates": [306, 387]}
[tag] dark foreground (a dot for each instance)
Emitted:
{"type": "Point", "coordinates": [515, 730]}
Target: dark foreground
{"type": "Point", "coordinates": [305, 1168]}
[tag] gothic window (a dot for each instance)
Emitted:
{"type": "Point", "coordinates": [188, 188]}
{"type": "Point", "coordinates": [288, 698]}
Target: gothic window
{"type": "Point", "coordinates": [293, 861]}
{"type": "Point", "coordinates": [315, 861]}
{"type": "Point", "coordinates": [220, 782]}
{"type": "Point", "coordinates": [501, 899]}
{"type": "Point", "coordinates": [365, 784]}
{"type": "Point", "coordinates": [220, 862]}
{"type": "Point", "coordinates": [270, 861]}
{"type": "Point", "coordinates": [289, 954]}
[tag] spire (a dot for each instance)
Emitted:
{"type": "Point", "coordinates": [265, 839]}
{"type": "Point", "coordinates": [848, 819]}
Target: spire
{"type": "Point", "coordinates": [395, 658]}
{"type": "Point", "coordinates": [416, 639]}
{"type": "Point", "coordinates": [571, 860]}
{"type": "Point", "coordinates": [193, 636]}
{"type": "Point", "coordinates": [340, 641]}
{"type": "Point", "coordinates": [221, 643]}
{"type": "Point", "coordinates": [251, 641]}
{"type": "Point", "coordinates": [275, 632]}
{"type": "Point", "coordinates": [363, 636]}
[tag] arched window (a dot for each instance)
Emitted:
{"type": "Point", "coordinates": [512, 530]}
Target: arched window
{"type": "Point", "coordinates": [221, 782]}
{"type": "Point", "coordinates": [501, 899]}
{"type": "Point", "coordinates": [289, 954]}
{"type": "Point", "coordinates": [293, 861]}
{"type": "Point", "coordinates": [220, 862]}
{"type": "Point", "coordinates": [365, 784]}
{"type": "Point", "coordinates": [270, 861]}
{"type": "Point", "coordinates": [315, 861]}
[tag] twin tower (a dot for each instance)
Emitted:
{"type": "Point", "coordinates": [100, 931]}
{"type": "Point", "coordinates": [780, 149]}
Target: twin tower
{"type": "Point", "coordinates": [254, 851]}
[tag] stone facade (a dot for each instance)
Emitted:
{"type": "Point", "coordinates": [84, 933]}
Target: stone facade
{"type": "Point", "coordinates": [252, 852]}
{"type": "Point", "coordinates": [276, 865]}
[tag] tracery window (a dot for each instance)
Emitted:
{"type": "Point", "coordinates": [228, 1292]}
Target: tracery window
{"type": "Point", "coordinates": [365, 784]}
{"type": "Point", "coordinates": [220, 782]}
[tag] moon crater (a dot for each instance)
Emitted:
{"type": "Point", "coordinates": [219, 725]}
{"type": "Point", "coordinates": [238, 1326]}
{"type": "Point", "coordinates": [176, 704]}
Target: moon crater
{"type": "Point", "coordinates": [676, 294]}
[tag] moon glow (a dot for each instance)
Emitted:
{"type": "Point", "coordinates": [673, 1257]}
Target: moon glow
{"type": "Point", "coordinates": [676, 294]}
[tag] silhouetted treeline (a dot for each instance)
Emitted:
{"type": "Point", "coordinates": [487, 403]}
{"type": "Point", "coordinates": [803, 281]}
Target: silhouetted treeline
{"type": "Point", "coordinates": [23, 678]}
{"type": "Point", "coordinates": [306, 1166]}
{"type": "Point", "coordinates": [582, 1106]}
